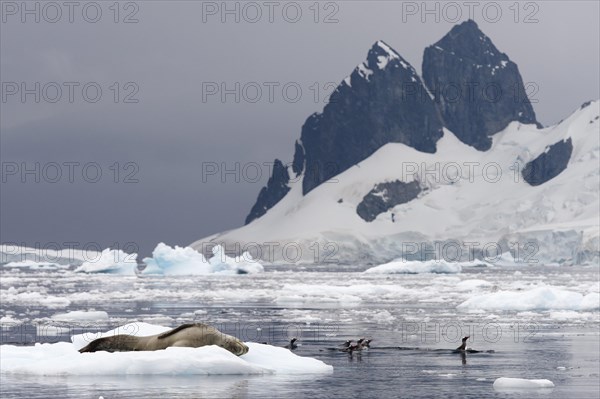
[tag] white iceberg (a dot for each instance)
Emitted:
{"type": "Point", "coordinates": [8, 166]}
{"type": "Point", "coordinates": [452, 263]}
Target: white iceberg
{"type": "Point", "coordinates": [507, 383]}
{"type": "Point", "coordinates": [166, 260]}
{"type": "Point", "coordinates": [111, 261]}
{"type": "Point", "coordinates": [540, 298]}
{"type": "Point", "coordinates": [176, 261]}
{"type": "Point", "coordinates": [63, 358]}
{"type": "Point", "coordinates": [401, 266]}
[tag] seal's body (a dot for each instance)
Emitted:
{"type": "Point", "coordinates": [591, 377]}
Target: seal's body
{"type": "Point", "coordinates": [186, 335]}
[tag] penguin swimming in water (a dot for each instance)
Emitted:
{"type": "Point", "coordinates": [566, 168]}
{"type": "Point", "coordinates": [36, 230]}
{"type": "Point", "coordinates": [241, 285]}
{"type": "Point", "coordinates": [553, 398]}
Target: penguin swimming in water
{"type": "Point", "coordinates": [292, 345]}
{"type": "Point", "coordinates": [463, 347]}
{"type": "Point", "coordinates": [345, 345]}
{"type": "Point", "coordinates": [358, 346]}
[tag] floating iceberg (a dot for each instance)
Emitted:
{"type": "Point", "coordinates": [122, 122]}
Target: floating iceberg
{"type": "Point", "coordinates": [540, 298]}
{"type": "Point", "coordinates": [176, 261]}
{"type": "Point", "coordinates": [166, 260]}
{"type": "Point", "coordinates": [63, 358]}
{"type": "Point", "coordinates": [111, 261]}
{"type": "Point", "coordinates": [401, 266]}
{"type": "Point", "coordinates": [506, 383]}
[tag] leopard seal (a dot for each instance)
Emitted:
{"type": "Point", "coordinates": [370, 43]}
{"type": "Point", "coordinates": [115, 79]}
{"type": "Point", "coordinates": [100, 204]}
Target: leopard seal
{"type": "Point", "coordinates": [186, 335]}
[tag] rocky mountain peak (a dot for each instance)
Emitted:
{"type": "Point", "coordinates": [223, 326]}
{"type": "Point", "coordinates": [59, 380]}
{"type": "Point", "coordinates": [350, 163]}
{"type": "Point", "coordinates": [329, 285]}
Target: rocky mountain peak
{"type": "Point", "coordinates": [468, 86]}
{"type": "Point", "coordinates": [467, 41]}
{"type": "Point", "coordinates": [477, 88]}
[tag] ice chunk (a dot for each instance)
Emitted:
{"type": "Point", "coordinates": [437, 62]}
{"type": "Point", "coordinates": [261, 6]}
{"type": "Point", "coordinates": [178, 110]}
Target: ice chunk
{"type": "Point", "coordinates": [414, 267]}
{"type": "Point", "coordinates": [35, 265]}
{"type": "Point", "coordinates": [187, 261]}
{"type": "Point", "coordinates": [112, 261]}
{"type": "Point", "coordinates": [473, 284]}
{"type": "Point", "coordinates": [176, 261]}
{"type": "Point", "coordinates": [283, 361]}
{"type": "Point", "coordinates": [546, 297]}
{"type": "Point", "coordinates": [9, 321]}
{"type": "Point", "coordinates": [521, 383]}
{"type": "Point", "coordinates": [63, 358]}
{"type": "Point", "coordinates": [80, 315]}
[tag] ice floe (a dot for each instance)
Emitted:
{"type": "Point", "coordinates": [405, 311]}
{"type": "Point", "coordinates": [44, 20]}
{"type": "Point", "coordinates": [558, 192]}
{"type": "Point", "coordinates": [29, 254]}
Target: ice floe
{"type": "Point", "coordinates": [28, 263]}
{"type": "Point", "coordinates": [539, 298]}
{"type": "Point", "coordinates": [112, 261]}
{"type": "Point", "coordinates": [81, 315]}
{"type": "Point", "coordinates": [521, 383]}
{"type": "Point", "coordinates": [402, 266]}
{"type": "Point", "coordinates": [63, 358]}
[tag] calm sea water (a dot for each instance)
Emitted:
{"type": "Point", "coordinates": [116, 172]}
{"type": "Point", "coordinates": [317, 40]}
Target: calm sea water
{"type": "Point", "coordinates": [413, 329]}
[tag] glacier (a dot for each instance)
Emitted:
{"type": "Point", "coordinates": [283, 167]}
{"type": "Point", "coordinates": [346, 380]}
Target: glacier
{"type": "Point", "coordinates": [474, 205]}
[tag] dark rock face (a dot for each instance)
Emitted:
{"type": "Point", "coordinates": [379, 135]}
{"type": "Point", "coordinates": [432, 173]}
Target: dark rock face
{"type": "Point", "coordinates": [383, 101]}
{"type": "Point", "coordinates": [478, 89]}
{"type": "Point", "coordinates": [298, 163]}
{"type": "Point", "coordinates": [276, 188]}
{"type": "Point", "coordinates": [385, 196]}
{"type": "Point", "coordinates": [549, 164]}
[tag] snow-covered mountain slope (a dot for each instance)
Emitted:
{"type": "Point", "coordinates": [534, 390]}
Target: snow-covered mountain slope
{"type": "Point", "coordinates": [468, 86]}
{"type": "Point", "coordinates": [469, 203]}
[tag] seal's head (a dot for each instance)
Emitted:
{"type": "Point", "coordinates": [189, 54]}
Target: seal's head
{"type": "Point", "coordinates": [108, 344]}
{"type": "Point", "coordinates": [235, 346]}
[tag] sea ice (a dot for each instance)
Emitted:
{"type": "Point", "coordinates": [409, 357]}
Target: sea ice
{"type": "Point", "coordinates": [63, 358]}
{"type": "Point", "coordinates": [540, 298]}
{"type": "Point", "coordinates": [28, 263]}
{"type": "Point", "coordinates": [521, 383]}
{"type": "Point", "coordinates": [112, 261]}
{"type": "Point", "coordinates": [401, 266]}
{"type": "Point", "coordinates": [80, 315]}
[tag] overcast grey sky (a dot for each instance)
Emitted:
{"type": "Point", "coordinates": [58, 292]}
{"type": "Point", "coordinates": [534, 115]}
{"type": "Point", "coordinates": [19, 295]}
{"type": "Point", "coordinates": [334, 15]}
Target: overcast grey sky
{"type": "Point", "coordinates": [156, 124]}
